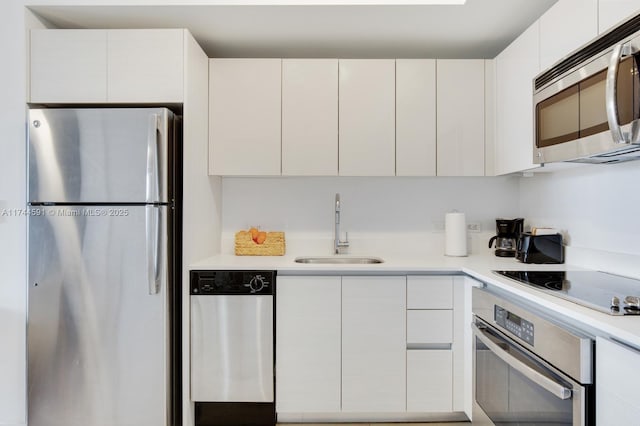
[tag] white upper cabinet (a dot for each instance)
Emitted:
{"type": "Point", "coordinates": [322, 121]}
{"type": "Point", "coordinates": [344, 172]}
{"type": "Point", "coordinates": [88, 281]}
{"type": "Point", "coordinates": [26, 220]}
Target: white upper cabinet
{"type": "Point", "coordinates": [310, 117]}
{"type": "Point", "coordinates": [367, 117]}
{"type": "Point", "coordinates": [107, 66]}
{"type": "Point", "coordinates": [461, 117]}
{"type": "Point", "coordinates": [516, 67]}
{"type": "Point", "coordinates": [611, 12]}
{"type": "Point", "coordinates": [489, 116]}
{"type": "Point", "coordinates": [244, 120]}
{"type": "Point", "coordinates": [565, 27]}
{"type": "Point", "coordinates": [145, 65]}
{"type": "Point", "coordinates": [415, 117]}
{"type": "Point", "coordinates": [68, 66]}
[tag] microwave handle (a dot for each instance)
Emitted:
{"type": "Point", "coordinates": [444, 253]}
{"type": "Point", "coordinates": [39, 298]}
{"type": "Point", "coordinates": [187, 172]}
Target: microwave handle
{"type": "Point", "coordinates": [611, 100]}
{"type": "Point", "coordinates": [546, 383]}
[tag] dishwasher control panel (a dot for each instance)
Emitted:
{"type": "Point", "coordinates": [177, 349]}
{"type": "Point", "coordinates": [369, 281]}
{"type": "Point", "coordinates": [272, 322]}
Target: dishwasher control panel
{"type": "Point", "coordinates": [206, 282]}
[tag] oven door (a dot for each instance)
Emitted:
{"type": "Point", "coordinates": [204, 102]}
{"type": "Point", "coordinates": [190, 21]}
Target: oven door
{"type": "Point", "coordinates": [515, 387]}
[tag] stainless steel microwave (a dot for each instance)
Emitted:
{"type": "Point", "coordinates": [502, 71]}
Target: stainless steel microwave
{"type": "Point", "coordinates": [587, 105]}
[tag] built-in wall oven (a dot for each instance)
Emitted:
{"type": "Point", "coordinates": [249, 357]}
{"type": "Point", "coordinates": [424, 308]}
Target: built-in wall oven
{"type": "Point", "coordinates": [587, 106]}
{"type": "Point", "coordinates": [529, 370]}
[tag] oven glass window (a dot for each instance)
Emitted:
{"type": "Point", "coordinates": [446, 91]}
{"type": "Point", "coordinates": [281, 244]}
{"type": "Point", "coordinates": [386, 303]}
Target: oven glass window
{"type": "Point", "coordinates": [510, 398]}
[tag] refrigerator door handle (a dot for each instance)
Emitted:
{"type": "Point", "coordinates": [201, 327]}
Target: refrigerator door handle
{"type": "Point", "coordinates": [153, 247]}
{"type": "Point", "coordinates": [153, 184]}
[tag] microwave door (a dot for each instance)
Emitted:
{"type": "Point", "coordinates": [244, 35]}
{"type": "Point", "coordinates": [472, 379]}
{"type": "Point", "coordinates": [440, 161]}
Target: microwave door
{"type": "Point", "coordinates": [575, 119]}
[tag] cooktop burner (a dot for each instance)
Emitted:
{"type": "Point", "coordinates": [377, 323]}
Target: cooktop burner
{"type": "Point", "coordinates": [612, 294]}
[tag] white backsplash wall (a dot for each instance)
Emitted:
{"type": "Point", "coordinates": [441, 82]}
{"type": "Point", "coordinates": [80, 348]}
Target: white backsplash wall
{"type": "Point", "coordinates": [596, 206]}
{"type": "Point", "coordinates": [373, 209]}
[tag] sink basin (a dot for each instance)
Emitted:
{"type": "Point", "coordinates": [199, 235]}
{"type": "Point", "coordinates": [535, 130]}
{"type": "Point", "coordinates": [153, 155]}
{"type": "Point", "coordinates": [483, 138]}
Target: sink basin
{"type": "Point", "coordinates": [339, 260]}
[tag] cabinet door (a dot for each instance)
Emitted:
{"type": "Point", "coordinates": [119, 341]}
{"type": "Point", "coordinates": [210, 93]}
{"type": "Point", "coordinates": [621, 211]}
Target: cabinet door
{"type": "Point", "coordinates": [415, 117]}
{"type": "Point", "coordinates": [310, 117]}
{"type": "Point", "coordinates": [611, 12]}
{"type": "Point", "coordinates": [460, 128]}
{"type": "Point", "coordinates": [68, 66]}
{"type": "Point", "coordinates": [367, 117]}
{"type": "Point", "coordinates": [244, 116]}
{"type": "Point", "coordinates": [516, 67]}
{"type": "Point", "coordinates": [427, 327]}
{"type": "Point", "coordinates": [565, 27]}
{"type": "Point", "coordinates": [373, 344]}
{"type": "Point", "coordinates": [308, 343]}
{"type": "Point", "coordinates": [616, 377]}
{"type": "Point", "coordinates": [145, 65]}
{"type": "Point", "coordinates": [429, 380]}
{"type": "Point", "coordinates": [425, 292]}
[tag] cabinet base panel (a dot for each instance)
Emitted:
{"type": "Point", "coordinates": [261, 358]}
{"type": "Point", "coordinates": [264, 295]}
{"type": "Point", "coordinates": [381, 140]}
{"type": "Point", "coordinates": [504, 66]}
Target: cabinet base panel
{"type": "Point", "coordinates": [370, 417]}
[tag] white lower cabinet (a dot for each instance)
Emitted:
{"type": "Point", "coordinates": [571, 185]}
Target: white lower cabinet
{"type": "Point", "coordinates": [429, 327]}
{"type": "Point", "coordinates": [373, 344]}
{"type": "Point", "coordinates": [617, 374]}
{"type": "Point", "coordinates": [430, 336]}
{"type": "Point", "coordinates": [308, 357]}
{"type": "Point", "coordinates": [348, 346]}
{"type": "Point", "coordinates": [429, 380]}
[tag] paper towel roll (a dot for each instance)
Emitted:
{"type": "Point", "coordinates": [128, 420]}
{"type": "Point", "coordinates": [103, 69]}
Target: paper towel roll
{"type": "Point", "coordinates": [455, 230]}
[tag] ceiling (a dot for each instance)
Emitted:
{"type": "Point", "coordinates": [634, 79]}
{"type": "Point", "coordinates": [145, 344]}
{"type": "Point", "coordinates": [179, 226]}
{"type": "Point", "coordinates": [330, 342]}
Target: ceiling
{"type": "Point", "coordinates": [477, 29]}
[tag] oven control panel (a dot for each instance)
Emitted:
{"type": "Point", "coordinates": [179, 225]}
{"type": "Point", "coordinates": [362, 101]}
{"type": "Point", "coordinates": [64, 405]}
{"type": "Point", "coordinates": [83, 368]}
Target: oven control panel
{"type": "Point", "coordinates": [518, 326]}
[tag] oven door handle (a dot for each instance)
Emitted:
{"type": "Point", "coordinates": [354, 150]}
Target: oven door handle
{"type": "Point", "coordinates": [546, 383]}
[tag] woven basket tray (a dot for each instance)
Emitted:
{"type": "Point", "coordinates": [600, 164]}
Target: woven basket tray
{"type": "Point", "coordinates": [272, 246]}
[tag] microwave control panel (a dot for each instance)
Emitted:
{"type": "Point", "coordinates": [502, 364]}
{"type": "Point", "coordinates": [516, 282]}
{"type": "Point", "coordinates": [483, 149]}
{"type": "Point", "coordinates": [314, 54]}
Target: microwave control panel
{"type": "Point", "coordinates": [516, 325]}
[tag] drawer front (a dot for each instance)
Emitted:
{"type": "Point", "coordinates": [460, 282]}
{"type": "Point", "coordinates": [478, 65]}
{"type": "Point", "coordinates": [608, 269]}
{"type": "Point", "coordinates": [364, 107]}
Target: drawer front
{"type": "Point", "coordinates": [429, 381]}
{"type": "Point", "coordinates": [426, 327]}
{"type": "Point", "coordinates": [430, 292]}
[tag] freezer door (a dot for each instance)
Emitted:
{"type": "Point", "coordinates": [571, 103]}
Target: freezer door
{"type": "Point", "coordinates": [112, 155]}
{"type": "Point", "coordinates": [97, 321]}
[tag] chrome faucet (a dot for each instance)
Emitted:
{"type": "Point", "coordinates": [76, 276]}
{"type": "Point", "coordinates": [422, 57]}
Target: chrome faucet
{"type": "Point", "coordinates": [337, 243]}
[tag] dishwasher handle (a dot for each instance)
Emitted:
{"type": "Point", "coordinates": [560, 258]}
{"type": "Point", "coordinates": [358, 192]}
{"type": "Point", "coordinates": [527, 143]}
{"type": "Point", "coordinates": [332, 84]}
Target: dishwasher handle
{"type": "Point", "coordinates": [558, 390]}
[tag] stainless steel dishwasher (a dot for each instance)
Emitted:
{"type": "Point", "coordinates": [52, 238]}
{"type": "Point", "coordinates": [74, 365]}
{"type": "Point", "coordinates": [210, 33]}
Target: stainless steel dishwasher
{"type": "Point", "coordinates": [232, 347]}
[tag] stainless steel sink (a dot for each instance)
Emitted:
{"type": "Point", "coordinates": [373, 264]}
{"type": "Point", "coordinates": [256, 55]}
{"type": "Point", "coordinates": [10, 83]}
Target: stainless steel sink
{"type": "Point", "coordinates": [339, 260]}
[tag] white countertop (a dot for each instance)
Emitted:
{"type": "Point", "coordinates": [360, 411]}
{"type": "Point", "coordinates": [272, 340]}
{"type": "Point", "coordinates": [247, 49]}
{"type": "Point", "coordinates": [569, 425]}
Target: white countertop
{"type": "Point", "coordinates": [480, 267]}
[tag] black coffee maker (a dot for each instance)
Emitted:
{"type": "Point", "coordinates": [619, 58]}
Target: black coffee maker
{"type": "Point", "coordinates": [508, 231]}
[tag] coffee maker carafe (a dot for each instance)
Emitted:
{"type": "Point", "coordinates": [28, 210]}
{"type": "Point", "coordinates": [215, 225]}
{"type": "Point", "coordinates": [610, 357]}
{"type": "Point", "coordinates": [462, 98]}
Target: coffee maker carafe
{"type": "Point", "coordinates": [508, 231]}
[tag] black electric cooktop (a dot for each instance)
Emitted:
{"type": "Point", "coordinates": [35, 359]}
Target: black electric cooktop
{"type": "Point", "coordinates": [612, 294]}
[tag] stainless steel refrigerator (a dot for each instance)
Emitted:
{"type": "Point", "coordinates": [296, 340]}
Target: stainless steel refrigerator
{"type": "Point", "coordinates": [104, 220]}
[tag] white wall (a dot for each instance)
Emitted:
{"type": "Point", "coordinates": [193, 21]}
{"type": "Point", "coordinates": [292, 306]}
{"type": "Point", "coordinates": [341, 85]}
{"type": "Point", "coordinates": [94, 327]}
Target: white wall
{"type": "Point", "coordinates": [12, 228]}
{"type": "Point", "coordinates": [381, 207]}
{"type": "Point", "coordinates": [596, 206]}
